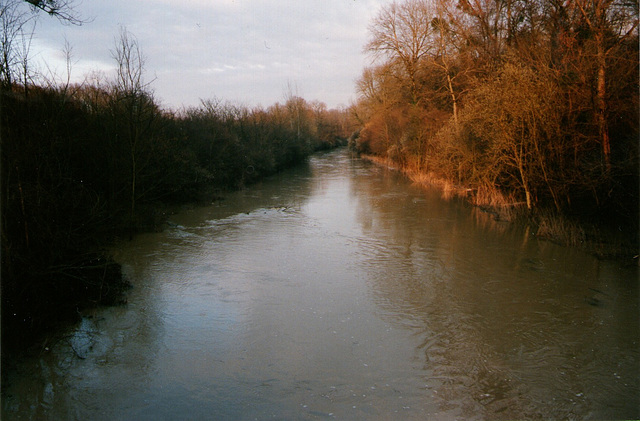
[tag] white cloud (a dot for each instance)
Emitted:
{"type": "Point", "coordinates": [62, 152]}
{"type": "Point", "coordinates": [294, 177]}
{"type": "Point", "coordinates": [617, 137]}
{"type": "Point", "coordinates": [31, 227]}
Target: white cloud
{"type": "Point", "coordinates": [240, 50]}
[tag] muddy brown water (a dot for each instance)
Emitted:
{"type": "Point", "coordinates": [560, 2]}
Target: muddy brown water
{"type": "Point", "coordinates": [339, 290]}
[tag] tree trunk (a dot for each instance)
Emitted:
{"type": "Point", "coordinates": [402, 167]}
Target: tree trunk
{"type": "Point", "coordinates": [601, 101]}
{"type": "Point", "coordinates": [454, 100]}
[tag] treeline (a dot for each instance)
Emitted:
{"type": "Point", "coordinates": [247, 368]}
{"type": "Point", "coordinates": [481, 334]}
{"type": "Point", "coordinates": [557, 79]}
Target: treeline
{"type": "Point", "coordinates": [532, 103]}
{"type": "Point", "coordinates": [84, 164]}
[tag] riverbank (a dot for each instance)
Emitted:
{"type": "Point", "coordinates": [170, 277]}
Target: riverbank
{"type": "Point", "coordinates": [601, 240]}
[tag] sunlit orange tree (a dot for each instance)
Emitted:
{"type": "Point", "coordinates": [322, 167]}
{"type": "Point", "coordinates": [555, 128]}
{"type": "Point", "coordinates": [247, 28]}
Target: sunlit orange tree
{"type": "Point", "coordinates": [535, 100]}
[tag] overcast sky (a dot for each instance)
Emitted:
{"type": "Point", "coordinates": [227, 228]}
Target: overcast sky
{"type": "Point", "coordinates": [244, 51]}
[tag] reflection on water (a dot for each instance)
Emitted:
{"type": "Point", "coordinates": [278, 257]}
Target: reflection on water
{"type": "Point", "coordinates": [339, 290]}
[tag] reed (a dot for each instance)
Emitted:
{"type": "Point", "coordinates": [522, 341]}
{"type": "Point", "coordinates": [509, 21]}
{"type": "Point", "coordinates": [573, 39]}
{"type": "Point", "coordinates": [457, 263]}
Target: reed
{"type": "Point", "coordinates": [503, 207]}
{"type": "Point", "coordinates": [429, 178]}
{"type": "Point", "coordinates": [597, 240]}
{"type": "Point", "coordinates": [560, 230]}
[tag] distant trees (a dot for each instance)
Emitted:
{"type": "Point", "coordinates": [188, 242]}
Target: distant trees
{"type": "Point", "coordinates": [537, 100]}
{"type": "Point", "coordinates": [236, 145]}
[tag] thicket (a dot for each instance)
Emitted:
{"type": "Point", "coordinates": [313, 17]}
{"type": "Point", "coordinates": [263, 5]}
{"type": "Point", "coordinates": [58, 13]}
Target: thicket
{"type": "Point", "coordinates": [83, 165]}
{"type": "Point", "coordinates": [513, 103]}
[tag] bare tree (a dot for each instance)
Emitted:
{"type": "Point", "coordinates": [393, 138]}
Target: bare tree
{"type": "Point", "coordinates": [62, 82]}
{"type": "Point", "coordinates": [444, 55]}
{"type": "Point", "coordinates": [65, 10]}
{"type": "Point", "coordinates": [14, 38]}
{"type": "Point", "coordinates": [401, 31]}
{"type": "Point", "coordinates": [610, 22]}
{"type": "Point", "coordinates": [17, 19]}
{"type": "Point", "coordinates": [130, 61]}
{"type": "Point", "coordinates": [134, 104]}
{"type": "Point", "coordinates": [378, 87]}
{"type": "Point", "coordinates": [489, 31]}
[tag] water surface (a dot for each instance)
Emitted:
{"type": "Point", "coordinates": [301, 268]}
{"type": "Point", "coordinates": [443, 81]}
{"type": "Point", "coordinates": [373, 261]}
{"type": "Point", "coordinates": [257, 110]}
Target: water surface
{"type": "Point", "coordinates": [339, 290]}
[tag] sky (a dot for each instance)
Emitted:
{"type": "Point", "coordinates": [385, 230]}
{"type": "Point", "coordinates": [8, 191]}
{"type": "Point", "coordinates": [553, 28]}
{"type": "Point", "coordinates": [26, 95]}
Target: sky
{"type": "Point", "coordinates": [249, 52]}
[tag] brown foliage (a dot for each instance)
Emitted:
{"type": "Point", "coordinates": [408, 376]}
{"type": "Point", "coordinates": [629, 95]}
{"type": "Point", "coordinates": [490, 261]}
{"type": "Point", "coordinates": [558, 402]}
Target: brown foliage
{"type": "Point", "coordinates": [533, 102]}
{"type": "Point", "coordinates": [383, 133]}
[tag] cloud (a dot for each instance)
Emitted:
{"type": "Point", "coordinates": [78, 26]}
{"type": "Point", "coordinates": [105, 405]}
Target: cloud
{"type": "Point", "coordinates": [240, 50]}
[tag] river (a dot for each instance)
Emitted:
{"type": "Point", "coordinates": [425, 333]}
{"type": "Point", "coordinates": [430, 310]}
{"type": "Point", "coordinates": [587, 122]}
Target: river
{"type": "Point", "coordinates": [339, 290]}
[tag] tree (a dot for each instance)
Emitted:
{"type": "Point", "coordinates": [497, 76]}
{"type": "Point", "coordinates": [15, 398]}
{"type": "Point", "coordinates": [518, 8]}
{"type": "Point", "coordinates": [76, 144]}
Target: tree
{"type": "Point", "coordinates": [379, 88]}
{"type": "Point", "coordinates": [61, 9]}
{"type": "Point", "coordinates": [517, 123]}
{"type": "Point", "coordinates": [444, 58]}
{"type": "Point", "coordinates": [14, 42]}
{"type": "Point", "coordinates": [489, 26]}
{"type": "Point", "coordinates": [609, 23]}
{"type": "Point", "coordinates": [401, 32]}
{"type": "Point", "coordinates": [133, 105]}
